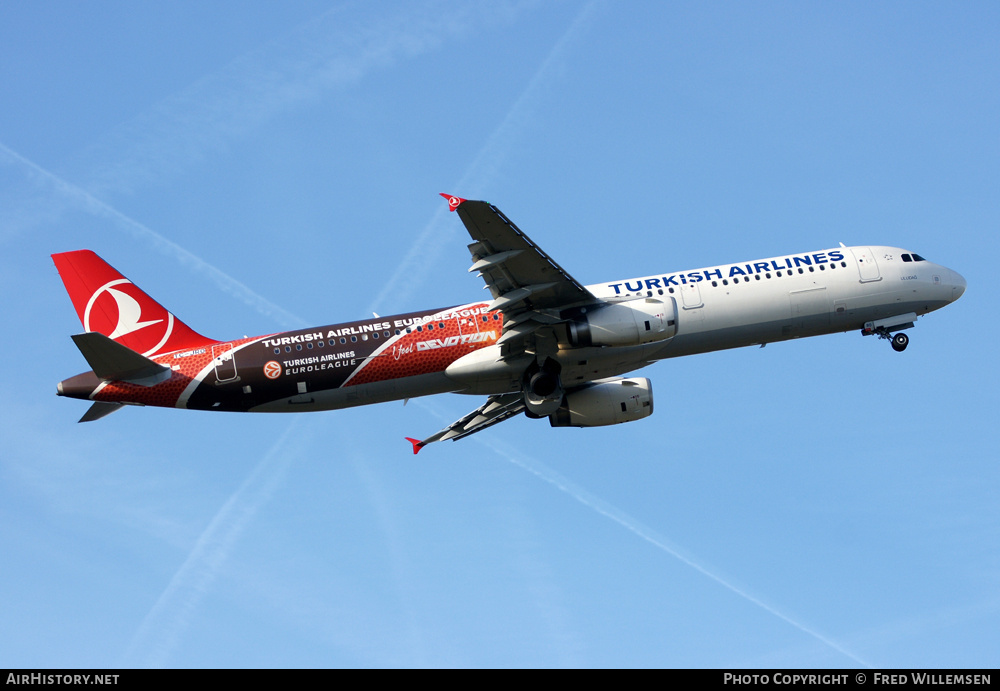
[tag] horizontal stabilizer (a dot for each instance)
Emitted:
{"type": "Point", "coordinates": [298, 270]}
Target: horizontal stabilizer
{"type": "Point", "coordinates": [112, 361]}
{"type": "Point", "coordinates": [99, 410]}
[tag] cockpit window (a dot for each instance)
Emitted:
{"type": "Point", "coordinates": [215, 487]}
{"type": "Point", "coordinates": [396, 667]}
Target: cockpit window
{"type": "Point", "coordinates": [912, 258]}
{"type": "Point", "coordinates": [918, 258]}
{"type": "Point", "coordinates": [906, 258]}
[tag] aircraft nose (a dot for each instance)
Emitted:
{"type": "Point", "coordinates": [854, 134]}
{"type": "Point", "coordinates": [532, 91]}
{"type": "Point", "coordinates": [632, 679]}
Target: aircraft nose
{"type": "Point", "coordinates": [957, 286]}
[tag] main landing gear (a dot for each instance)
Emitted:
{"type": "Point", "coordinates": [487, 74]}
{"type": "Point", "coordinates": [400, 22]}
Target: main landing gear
{"type": "Point", "coordinates": [899, 342]}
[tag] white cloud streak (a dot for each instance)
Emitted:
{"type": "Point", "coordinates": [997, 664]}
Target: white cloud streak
{"type": "Point", "coordinates": [162, 628]}
{"type": "Point", "coordinates": [476, 180]}
{"type": "Point", "coordinates": [415, 267]}
{"type": "Point", "coordinates": [333, 50]}
{"type": "Point", "coordinates": [330, 52]}
{"type": "Point", "coordinates": [92, 205]}
{"type": "Point", "coordinates": [592, 501]}
{"type": "Point", "coordinates": [563, 484]}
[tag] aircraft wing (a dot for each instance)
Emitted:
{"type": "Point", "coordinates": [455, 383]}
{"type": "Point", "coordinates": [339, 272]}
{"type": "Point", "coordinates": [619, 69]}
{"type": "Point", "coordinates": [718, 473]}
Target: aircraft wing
{"type": "Point", "coordinates": [529, 288]}
{"type": "Point", "coordinates": [519, 275]}
{"type": "Point", "coordinates": [531, 291]}
{"type": "Point", "coordinates": [497, 408]}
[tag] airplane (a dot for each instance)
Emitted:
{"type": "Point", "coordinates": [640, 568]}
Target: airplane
{"type": "Point", "coordinates": [545, 345]}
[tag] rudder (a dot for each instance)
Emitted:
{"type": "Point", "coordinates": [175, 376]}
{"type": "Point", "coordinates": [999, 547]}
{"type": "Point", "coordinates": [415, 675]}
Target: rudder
{"type": "Point", "coordinates": [112, 305]}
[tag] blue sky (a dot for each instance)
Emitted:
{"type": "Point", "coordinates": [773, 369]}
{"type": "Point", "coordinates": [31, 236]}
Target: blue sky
{"type": "Point", "coordinates": [825, 502]}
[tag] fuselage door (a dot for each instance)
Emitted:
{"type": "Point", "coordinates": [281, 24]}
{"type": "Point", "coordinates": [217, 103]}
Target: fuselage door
{"type": "Point", "coordinates": [225, 363]}
{"type": "Point", "coordinates": [691, 296]}
{"type": "Point", "coordinates": [867, 266]}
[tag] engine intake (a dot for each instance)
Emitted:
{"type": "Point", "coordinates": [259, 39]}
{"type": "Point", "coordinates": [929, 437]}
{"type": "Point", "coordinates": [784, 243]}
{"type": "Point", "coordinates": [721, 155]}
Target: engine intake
{"type": "Point", "coordinates": [605, 402]}
{"type": "Point", "coordinates": [646, 320]}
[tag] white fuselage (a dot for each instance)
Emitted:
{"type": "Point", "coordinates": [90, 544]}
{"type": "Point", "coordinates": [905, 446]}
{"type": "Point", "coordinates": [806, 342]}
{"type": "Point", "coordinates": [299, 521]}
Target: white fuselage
{"type": "Point", "coordinates": [776, 299]}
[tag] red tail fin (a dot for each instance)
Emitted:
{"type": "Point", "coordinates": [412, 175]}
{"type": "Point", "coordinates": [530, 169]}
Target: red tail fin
{"type": "Point", "coordinates": [110, 304]}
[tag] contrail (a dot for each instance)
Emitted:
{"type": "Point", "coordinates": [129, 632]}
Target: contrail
{"type": "Point", "coordinates": [163, 626]}
{"type": "Point", "coordinates": [318, 56]}
{"type": "Point", "coordinates": [328, 53]}
{"type": "Point", "coordinates": [415, 266]}
{"type": "Point", "coordinates": [591, 501]}
{"type": "Point", "coordinates": [418, 261]}
{"type": "Point", "coordinates": [95, 206]}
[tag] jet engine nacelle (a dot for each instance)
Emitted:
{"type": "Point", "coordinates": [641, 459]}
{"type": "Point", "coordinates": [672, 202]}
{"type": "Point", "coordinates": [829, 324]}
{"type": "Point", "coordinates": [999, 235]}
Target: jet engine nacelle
{"type": "Point", "coordinates": [635, 322]}
{"type": "Point", "coordinates": [605, 402]}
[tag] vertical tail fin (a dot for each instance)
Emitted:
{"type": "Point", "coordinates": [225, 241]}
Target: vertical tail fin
{"type": "Point", "coordinates": [110, 304]}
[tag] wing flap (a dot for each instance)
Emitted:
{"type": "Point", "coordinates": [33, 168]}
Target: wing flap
{"type": "Point", "coordinates": [517, 272]}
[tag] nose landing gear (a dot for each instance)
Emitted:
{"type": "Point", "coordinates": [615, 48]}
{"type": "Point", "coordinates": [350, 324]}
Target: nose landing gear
{"type": "Point", "coordinates": [897, 340]}
{"type": "Point", "coordinates": [890, 329]}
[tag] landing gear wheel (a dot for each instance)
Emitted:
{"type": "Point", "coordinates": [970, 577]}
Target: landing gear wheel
{"type": "Point", "coordinates": [899, 342]}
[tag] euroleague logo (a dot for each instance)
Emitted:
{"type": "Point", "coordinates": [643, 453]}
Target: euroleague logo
{"type": "Point", "coordinates": [115, 311]}
{"type": "Point", "coordinates": [272, 369]}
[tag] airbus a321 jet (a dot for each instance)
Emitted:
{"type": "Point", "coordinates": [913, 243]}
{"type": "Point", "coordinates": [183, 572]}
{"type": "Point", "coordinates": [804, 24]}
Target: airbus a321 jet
{"type": "Point", "coordinates": [545, 345]}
